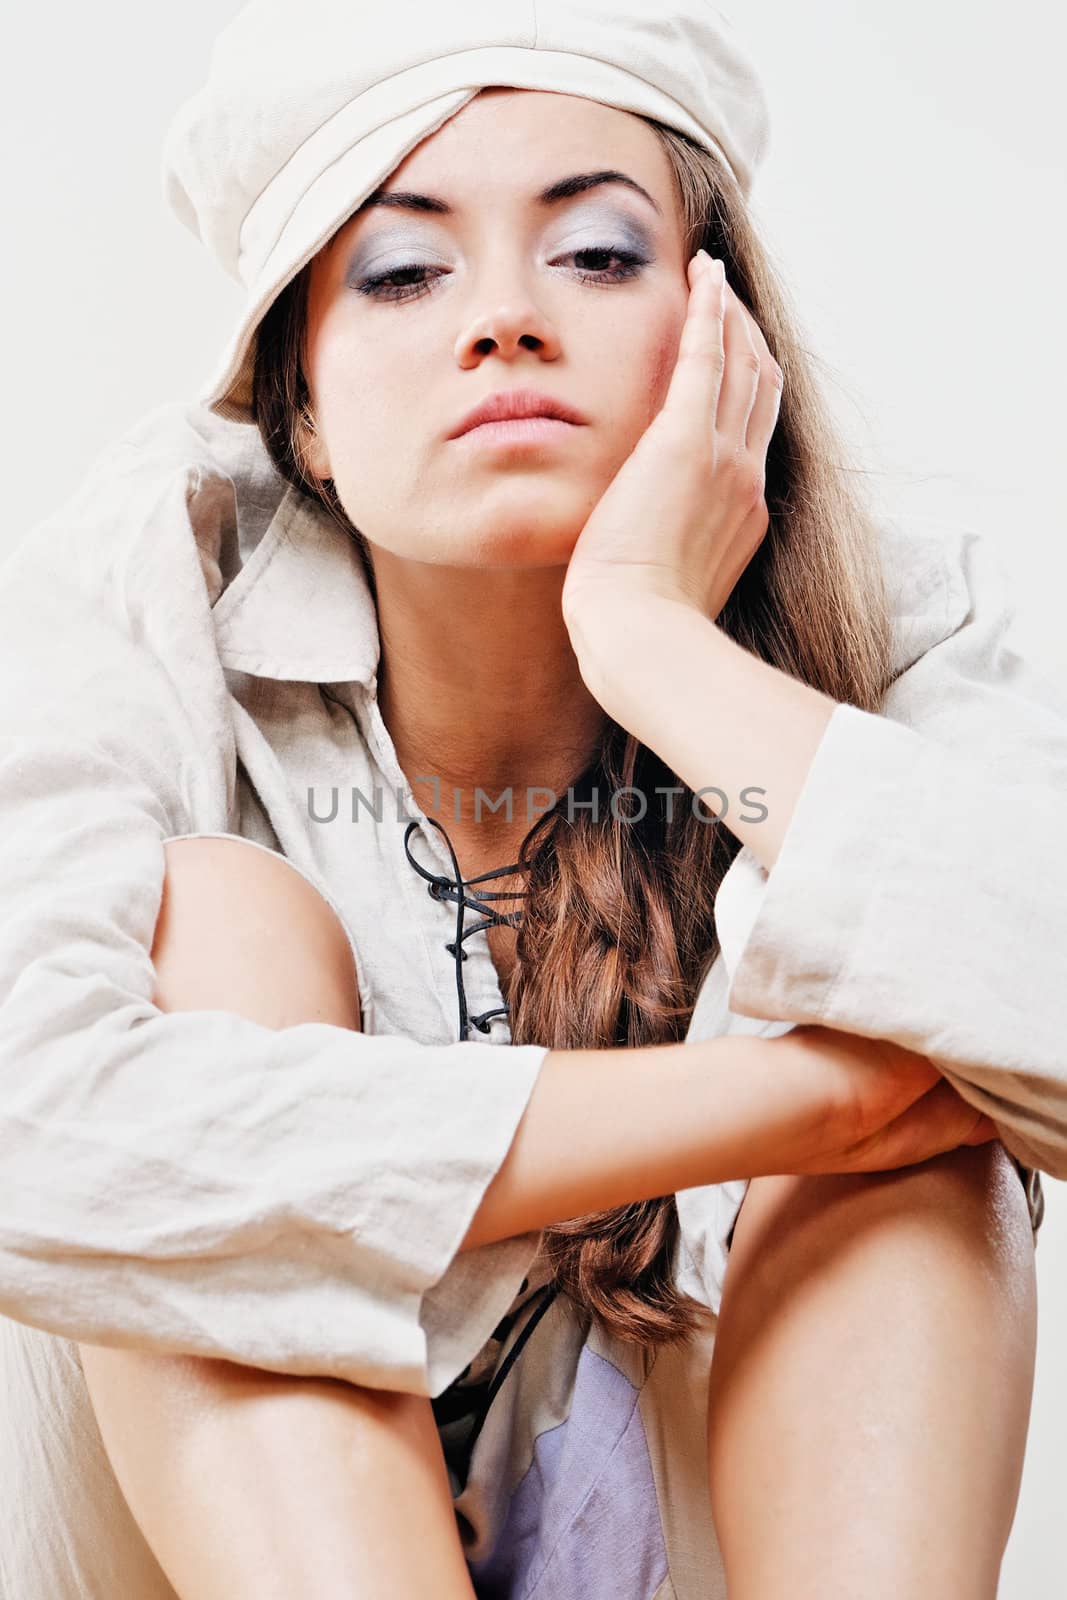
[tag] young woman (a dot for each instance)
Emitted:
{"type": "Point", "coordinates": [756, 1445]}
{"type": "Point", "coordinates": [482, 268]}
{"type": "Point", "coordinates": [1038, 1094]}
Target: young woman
{"type": "Point", "coordinates": [683, 1287]}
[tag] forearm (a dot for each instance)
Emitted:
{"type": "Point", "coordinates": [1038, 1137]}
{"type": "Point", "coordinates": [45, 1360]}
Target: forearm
{"type": "Point", "coordinates": [606, 1127]}
{"type": "Point", "coordinates": [720, 717]}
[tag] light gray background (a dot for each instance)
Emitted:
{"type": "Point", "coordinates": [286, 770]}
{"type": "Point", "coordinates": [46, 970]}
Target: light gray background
{"type": "Point", "coordinates": [913, 194]}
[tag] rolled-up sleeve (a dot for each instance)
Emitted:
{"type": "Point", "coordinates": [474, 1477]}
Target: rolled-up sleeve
{"type": "Point", "coordinates": [194, 1181]}
{"type": "Point", "coordinates": [920, 894]}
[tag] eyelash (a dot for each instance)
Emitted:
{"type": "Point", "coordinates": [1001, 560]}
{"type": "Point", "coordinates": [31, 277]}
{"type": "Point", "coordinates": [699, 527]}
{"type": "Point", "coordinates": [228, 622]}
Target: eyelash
{"type": "Point", "coordinates": [376, 288]}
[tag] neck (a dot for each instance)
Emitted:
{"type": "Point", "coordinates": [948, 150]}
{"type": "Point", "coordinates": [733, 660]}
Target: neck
{"type": "Point", "coordinates": [479, 687]}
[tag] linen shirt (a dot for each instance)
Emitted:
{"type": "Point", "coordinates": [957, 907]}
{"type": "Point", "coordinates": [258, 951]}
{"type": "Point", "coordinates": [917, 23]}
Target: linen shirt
{"type": "Point", "coordinates": [189, 646]}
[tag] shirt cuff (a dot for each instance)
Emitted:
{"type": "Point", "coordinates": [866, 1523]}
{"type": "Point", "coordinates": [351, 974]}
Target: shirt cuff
{"type": "Point", "coordinates": [897, 891]}
{"type": "Point", "coordinates": [787, 937]}
{"type": "Point", "coordinates": [459, 1312]}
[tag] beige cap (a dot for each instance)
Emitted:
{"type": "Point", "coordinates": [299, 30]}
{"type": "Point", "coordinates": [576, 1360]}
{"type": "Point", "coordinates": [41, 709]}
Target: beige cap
{"type": "Point", "coordinates": [308, 107]}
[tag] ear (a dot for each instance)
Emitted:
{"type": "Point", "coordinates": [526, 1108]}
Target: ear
{"type": "Point", "coordinates": [312, 446]}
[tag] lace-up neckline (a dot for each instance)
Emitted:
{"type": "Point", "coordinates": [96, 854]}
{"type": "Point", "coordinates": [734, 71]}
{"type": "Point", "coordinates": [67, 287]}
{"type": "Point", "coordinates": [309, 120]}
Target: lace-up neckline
{"type": "Point", "coordinates": [469, 1397]}
{"type": "Point", "coordinates": [442, 888]}
{"type": "Point", "coordinates": [467, 1400]}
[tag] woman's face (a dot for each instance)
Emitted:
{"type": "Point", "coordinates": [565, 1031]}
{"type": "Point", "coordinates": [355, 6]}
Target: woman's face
{"type": "Point", "coordinates": [582, 297]}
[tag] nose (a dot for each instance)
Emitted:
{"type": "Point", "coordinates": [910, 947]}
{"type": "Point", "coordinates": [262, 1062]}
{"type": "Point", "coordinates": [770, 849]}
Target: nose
{"type": "Point", "coordinates": [517, 324]}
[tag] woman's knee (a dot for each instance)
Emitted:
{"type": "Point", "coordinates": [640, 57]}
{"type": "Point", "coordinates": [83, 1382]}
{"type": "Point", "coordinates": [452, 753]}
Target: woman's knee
{"type": "Point", "coordinates": [241, 929]}
{"type": "Point", "coordinates": [980, 1187]}
{"type": "Point", "coordinates": [965, 1210]}
{"type": "Point", "coordinates": [977, 1186]}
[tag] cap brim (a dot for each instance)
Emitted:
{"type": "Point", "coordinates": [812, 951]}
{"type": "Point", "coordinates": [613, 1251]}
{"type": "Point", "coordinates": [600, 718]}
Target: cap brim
{"type": "Point", "coordinates": [300, 229]}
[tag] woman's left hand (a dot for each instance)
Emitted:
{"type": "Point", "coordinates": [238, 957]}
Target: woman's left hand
{"type": "Point", "coordinates": [685, 513]}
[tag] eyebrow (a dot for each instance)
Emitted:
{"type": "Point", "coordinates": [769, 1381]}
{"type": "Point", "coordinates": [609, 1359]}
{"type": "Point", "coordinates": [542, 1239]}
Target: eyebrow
{"type": "Point", "coordinates": [577, 183]}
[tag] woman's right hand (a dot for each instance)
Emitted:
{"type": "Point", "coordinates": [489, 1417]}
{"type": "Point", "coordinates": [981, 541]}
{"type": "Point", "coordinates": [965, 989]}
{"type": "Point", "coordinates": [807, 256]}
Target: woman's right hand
{"type": "Point", "coordinates": [880, 1105]}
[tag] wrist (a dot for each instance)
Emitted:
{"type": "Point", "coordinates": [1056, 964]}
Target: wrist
{"type": "Point", "coordinates": [637, 653]}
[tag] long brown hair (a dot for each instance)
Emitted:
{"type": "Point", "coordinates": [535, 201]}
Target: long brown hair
{"type": "Point", "coordinates": [618, 926]}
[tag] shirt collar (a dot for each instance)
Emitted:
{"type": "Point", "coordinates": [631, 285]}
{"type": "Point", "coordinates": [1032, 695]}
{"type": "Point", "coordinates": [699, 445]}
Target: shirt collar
{"type": "Point", "coordinates": [301, 609]}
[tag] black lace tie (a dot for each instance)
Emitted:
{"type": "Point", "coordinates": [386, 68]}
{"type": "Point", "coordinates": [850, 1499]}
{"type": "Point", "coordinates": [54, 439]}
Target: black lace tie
{"type": "Point", "coordinates": [443, 888]}
{"type": "Point", "coordinates": [471, 1401]}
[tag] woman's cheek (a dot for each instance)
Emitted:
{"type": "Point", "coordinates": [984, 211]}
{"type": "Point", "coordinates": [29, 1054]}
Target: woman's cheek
{"type": "Point", "coordinates": [660, 366]}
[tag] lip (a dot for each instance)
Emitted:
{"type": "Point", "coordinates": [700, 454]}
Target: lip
{"type": "Point", "coordinates": [513, 405]}
{"type": "Point", "coordinates": [516, 433]}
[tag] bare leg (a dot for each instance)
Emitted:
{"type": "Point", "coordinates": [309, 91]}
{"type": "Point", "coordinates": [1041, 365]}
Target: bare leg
{"type": "Point", "coordinates": [871, 1382]}
{"type": "Point", "coordinates": [250, 1482]}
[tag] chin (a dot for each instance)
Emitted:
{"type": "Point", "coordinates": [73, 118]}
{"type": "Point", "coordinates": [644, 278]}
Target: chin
{"type": "Point", "coordinates": [537, 540]}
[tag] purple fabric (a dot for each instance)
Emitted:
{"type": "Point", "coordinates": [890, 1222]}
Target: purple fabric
{"type": "Point", "coordinates": [584, 1522]}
